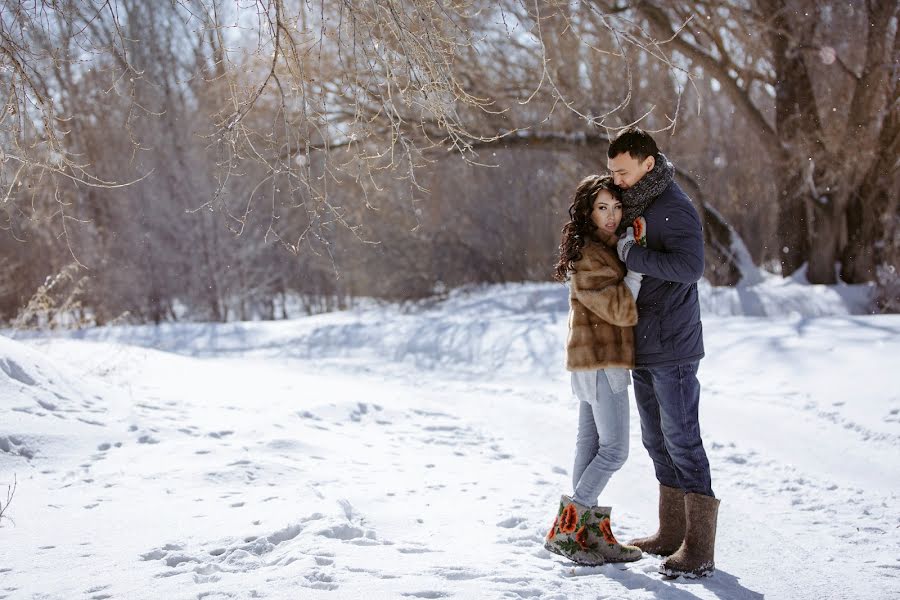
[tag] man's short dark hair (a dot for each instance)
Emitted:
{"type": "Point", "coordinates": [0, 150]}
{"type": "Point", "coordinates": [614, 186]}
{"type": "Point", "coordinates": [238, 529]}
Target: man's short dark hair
{"type": "Point", "coordinates": [636, 142]}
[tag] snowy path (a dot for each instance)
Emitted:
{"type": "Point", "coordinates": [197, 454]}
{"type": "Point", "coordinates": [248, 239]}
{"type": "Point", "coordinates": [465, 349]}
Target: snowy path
{"type": "Point", "coordinates": [277, 477]}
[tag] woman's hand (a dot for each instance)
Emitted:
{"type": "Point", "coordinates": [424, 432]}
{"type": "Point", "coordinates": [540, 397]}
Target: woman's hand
{"type": "Point", "coordinates": [633, 282]}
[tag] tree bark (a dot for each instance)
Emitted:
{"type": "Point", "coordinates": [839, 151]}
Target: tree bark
{"type": "Point", "coordinates": [875, 201]}
{"type": "Point", "coordinates": [797, 123]}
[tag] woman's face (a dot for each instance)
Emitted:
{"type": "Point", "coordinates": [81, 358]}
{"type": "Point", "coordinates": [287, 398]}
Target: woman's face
{"type": "Point", "coordinates": [607, 212]}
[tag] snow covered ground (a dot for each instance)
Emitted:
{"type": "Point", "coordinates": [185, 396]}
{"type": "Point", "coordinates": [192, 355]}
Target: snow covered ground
{"type": "Point", "coordinates": [419, 452]}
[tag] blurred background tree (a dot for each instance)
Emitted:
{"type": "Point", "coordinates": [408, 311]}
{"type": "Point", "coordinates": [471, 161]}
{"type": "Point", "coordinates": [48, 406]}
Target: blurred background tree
{"type": "Point", "coordinates": [215, 160]}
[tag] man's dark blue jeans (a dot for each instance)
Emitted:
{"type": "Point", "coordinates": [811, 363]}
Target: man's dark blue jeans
{"type": "Point", "coordinates": [668, 401]}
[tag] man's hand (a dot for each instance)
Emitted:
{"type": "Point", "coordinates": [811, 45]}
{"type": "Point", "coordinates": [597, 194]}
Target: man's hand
{"type": "Point", "coordinates": [623, 246]}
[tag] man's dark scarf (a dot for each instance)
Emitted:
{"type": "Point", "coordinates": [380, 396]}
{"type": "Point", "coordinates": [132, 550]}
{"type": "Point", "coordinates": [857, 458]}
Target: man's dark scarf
{"type": "Point", "coordinates": [639, 196]}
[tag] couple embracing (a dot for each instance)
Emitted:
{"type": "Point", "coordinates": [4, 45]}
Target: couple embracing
{"type": "Point", "coordinates": [633, 254]}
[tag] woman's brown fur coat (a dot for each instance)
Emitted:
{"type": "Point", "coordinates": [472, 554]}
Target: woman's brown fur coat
{"type": "Point", "coordinates": [602, 310]}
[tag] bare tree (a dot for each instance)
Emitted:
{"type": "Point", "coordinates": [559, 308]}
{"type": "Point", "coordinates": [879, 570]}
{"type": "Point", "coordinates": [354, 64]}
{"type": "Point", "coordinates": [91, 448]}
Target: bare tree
{"type": "Point", "coordinates": [820, 101]}
{"type": "Point", "coordinates": [47, 52]}
{"type": "Point", "coordinates": [390, 146]}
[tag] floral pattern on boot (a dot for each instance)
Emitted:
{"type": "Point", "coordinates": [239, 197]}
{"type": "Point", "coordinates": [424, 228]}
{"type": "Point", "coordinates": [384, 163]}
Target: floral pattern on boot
{"type": "Point", "coordinates": [573, 534]}
{"type": "Point", "coordinates": [610, 548]}
{"type": "Point", "coordinates": [583, 535]}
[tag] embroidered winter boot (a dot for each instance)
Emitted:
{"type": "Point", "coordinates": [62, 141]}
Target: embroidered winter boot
{"type": "Point", "coordinates": [695, 557]}
{"type": "Point", "coordinates": [671, 524]}
{"type": "Point", "coordinates": [611, 549]}
{"type": "Point", "coordinates": [575, 534]}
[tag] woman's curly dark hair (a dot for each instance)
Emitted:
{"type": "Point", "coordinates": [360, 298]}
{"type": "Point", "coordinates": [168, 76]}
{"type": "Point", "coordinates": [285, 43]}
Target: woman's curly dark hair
{"type": "Point", "coordinates": [580, 227]}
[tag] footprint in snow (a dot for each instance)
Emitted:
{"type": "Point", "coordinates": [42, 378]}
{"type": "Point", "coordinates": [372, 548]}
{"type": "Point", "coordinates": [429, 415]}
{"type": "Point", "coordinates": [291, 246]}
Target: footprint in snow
{"type": "Point", "coordinates": [14, 371]}
{"type": "Point", "coordinates": [511, 522]}
{"type": "Point", "coordinates": [247, 554]}
{"type": "Point", "coordinates": [457, 573]}
{"type": "Point", "coordinates": [893, 416]}
{"type": "Point", "coordinates": [16, 446]}
{"type": "Point", "coordinates": [414, 550]}
{"type": "Point", "coordinates": [96, 590]}
{"type": "Point", "coordinates": [349, 533]}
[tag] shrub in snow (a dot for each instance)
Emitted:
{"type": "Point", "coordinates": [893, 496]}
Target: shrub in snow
{"type": "Point", "coordinates": [10, 492]}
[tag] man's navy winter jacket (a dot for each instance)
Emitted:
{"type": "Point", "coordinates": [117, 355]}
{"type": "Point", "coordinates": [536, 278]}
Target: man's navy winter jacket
{"type": "Point", "coordinates": [669, 331]}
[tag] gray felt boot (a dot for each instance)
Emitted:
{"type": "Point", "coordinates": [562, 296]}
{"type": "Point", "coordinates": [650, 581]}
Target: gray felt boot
{"type": "Point", "coordinates": [696, 556]}
{"type": "Point", "coordinates": [672, 521]}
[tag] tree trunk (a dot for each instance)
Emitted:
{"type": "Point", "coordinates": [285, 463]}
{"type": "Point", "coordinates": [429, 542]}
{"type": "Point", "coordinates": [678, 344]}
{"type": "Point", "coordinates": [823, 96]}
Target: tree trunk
{"type": "Point", "coordinates": [875, 201]}
{"type": "Point", "coordinates": [825, 225]}
{"type": "Point", "coordinates": [868, 208]}
{"type": "Point", "coordinates": [824, 189]}
{"type": "Point", "coordinates": [796, 120]}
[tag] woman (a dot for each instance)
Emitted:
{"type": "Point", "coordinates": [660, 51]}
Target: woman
{"type": "Point", "coordinates": [599, 352]}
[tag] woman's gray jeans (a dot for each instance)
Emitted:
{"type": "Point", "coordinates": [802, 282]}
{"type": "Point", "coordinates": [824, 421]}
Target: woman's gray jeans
{"type": "Point", "coordinates": [602, 444]}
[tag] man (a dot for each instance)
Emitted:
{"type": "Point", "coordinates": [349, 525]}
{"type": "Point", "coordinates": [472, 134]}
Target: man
{"type": "Point", "coordinates": [668, 348]}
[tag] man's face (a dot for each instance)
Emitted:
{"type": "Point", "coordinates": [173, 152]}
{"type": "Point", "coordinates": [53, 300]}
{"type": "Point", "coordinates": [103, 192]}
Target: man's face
{"type": "Point", "coordinates": [627, 171]}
